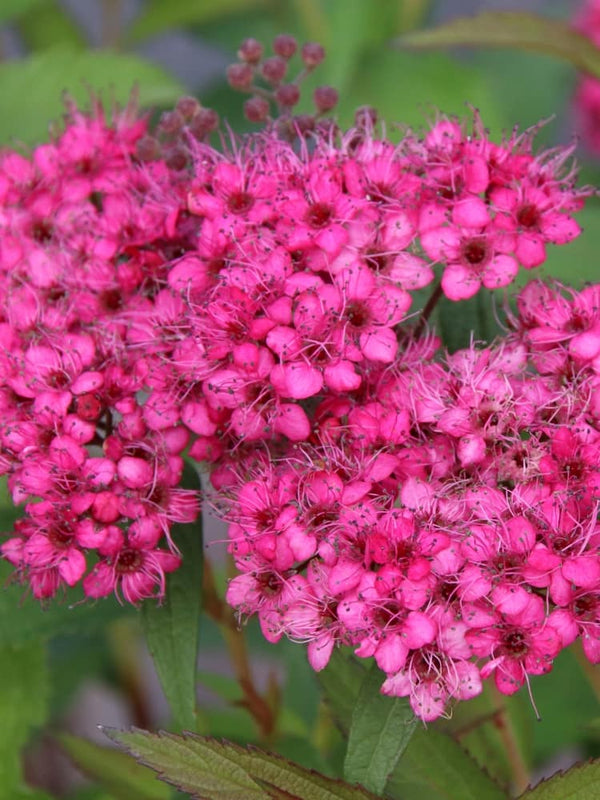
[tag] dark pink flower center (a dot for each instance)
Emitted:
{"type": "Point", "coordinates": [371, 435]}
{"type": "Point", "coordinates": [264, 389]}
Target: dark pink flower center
{"type": "Point", "coordinates": [111, 299]}
{"type": "Point", "coordinates": [358, 315]}
{"type": "Point", "coordinates": [57, 379]}
{"type": "Point", "coordinates": [585, 608]}
{"type": "Point", "coordinates": [318, 215]}
{"type": "Point", "coordinates": [320, 517]}
{"type": "Point", "coordinates": [577, 323]}
{"type": "Point", "coordinates": [239, 202]}
{"type": "Point", "coordinates": [475, 251]}
{"type": "Point", "coordinates": [270, 583]}
{"type": "Point", "coordinates": [514, 644]}
{"type": "Point", "coordinates": [88, 407]}
{"type": "Point", "coordinates": [390, 614]}
{"type": "Point", "coordinates": [42, 231]}
{"type": "Point", "coordinates": [528, 216]}
{"type": "Point", "coordinates": [129, 561]}
{"type": "Point", "coordinates": [264, 518]}
{"type": "Point", "coordinates": [59, 538]}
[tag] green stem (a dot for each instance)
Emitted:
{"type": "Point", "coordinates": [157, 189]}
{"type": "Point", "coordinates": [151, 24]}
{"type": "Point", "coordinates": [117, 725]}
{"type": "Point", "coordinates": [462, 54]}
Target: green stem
{"type": "Point", "coordinates": [253, 701]}
{"type": "Point", "coordinates": [434, 299]}
{"type": "Point", "coordinates": [506, 729]}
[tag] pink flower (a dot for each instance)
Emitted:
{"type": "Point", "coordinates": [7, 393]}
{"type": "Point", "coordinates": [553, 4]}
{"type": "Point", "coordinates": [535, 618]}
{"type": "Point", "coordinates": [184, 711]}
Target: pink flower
{"type": "Point", "coordinates": [517, 645]}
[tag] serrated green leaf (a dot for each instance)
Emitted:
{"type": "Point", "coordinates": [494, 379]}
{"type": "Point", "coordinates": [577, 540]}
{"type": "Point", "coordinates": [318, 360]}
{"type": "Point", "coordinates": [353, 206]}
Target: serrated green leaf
{"type": "Point", "coordinates": [23, 700]}
{"type": "Point", "coordinates": [436, 767]}
{"type": "Point", "coordinates": [159, 16]}
{"type": "Point", "coordinates": [171, 629]}
{"type": "Point", "coordinates": [114, 770]}
{"type": "Point", "coordinates": [380, 731]}
{"type": "Point", "coordinates": [184, 762]}
{"type": "Point", "coordinates": [302, 783]}
{"type": "Point", "coordinates": [12, 9]}
{"type": "Point", "coordinates": [32, 88]}
{"type": "Point", "coordinates": [581, 782]}
{"type": "Point", "coordinates": [511, 29]}
{"type": "Point", "coordinates": [224, 771]}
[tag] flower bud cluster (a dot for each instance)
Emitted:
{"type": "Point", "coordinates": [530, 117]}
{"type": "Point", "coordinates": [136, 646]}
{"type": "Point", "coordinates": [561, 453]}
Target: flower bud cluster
{"type": "Point", "coordinates": [252, 71]}
{"type": "Point", "coordinates": [251, 309]}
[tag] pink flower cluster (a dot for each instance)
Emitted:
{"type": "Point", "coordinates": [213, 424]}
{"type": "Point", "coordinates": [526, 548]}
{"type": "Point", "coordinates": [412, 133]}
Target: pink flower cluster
{"type": "Point", "coordinates": [253, 309]}
{"type": "Point", "coordinates": [83, 249]}
{"type": "Point", "coordinates": [444, 520]}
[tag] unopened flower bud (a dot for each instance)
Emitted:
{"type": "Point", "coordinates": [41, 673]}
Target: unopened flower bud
{"type": "Point", "coordinates": [188, 107]}
{"type": "Point", "coordinates": [288, 95]}
{"type": "Point", "coordinates": [250, 51]}
{"type": "Point", "coordinates": [256, 109]}
{"type": "Point", "coordinates": [147, 148]}
{"type": "Point", "coordinates": [170, 122]}
{"type": "Point", "coordinates": [365, 117]}
{"type": "Point", "coordinates": [177, 158]}
{"type": "Point", "coordinates": [240, 76]}
{"type": "Point", "coordinates": [273, 69]}
{"type": "Point", "coordinates": [285, 45]}
{"type": "Point", "coordinates": [326, 128]}
{"type": "Point", "coordinates": [312, 54]}
{"type": "Point", "coordinates": [304, 123]}
{"type": "Point", "coordinates": [325, 98]}
{"type": "Point", "coordinates": [206, 121]}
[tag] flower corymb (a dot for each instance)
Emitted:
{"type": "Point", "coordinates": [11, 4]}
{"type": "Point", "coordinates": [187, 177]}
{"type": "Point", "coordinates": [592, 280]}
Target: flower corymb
{"type": "Point", "coordinates": [264, 308]}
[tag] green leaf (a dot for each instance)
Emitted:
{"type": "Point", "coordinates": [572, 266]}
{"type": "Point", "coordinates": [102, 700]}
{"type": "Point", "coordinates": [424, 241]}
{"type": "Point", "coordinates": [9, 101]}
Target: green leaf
{"type": "Point", "coordinates": [380, 730]}
{"type": "Point", "coordinates": [564, 723]}
{"type": "Point", "coordinates": [184, 762]}
{"type": "Point", "coordinates": [341, 681]}
{"type": "Point", "coordinates": [459, 323]}
{"type": "Point", "coordinates": [12, 9]}
{"type": "Point", "coordinates": [115, 771]}
{"type": "Point", "coordinates": [25, 793]}
{"type": "Point", "coordinates": [436, 767]}
{"type": "Point", "coordinates": [47, 25]}
{"type": "Point", "coordinates": [409, 87]}
{"type": "Point", "coordinates": [23, 700]}
{"type": "Point", "coordinates": [171, 629]}
{"type": "Point", "coordinates": [511, 29]}
{"type": "Point", "coordinates": [24, 620]}
{"type": "Point", "coordinates": [581, 782]}
{"type": "Point", "coordinates": [478, 726]}
{"type": "Point", "coordinates": [223, 685]}
{"type": "Point", "coordinates": [223, 771]}
{"type": "Point", "coordinates": [348, 35]}
{"type": "Point", "coordinates": [159, 16]}
{"type": "Point", "coordinates": [433, 765]}
{"type": "Point", "coordinates": [43, 77]}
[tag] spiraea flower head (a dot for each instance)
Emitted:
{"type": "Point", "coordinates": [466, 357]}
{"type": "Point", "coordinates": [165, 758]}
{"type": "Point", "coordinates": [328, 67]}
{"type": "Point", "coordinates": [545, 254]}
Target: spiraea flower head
{"type": "Point", "coordinates": [257, 306]}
